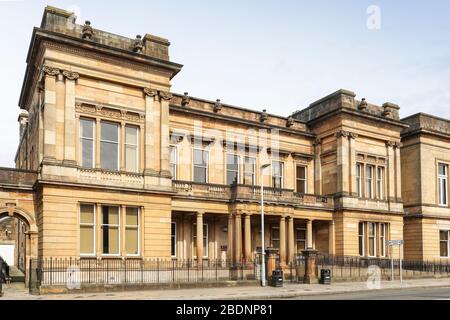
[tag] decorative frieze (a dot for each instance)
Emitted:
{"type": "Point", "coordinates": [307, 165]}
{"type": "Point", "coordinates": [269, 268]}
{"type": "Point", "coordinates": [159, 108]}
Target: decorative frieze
{"type": "Point", "coordinates": [109, 113]}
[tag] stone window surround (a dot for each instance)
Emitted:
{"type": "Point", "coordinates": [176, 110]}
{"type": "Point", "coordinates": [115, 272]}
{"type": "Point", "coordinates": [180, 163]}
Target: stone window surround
{"type": "Point", "coordinates": [98, 118]}
{"type": "Point", "coordinates": [377, 242]}
{"type": "Point", "coordinates": [122, 228]}
{"type": "Point", "coordinates": [438, 177]}
{"type": "Point", "coordinates": [376, 162]}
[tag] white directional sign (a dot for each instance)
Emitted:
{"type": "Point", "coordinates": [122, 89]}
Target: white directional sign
{"type": "Point", "coordinates": [396, 242]}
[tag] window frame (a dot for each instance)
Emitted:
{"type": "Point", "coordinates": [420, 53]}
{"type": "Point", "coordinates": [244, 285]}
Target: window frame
{"type": "Point", "coordinates": [125, 144]}
{"type": "Point", "coordinates": [359, 179]}
{"type": "Point", "coordinates": [254, 170]}
{"type": "Point", "coordinates": [94, 225]}
{"type": "Point", "coordinates": [380, 182]}
{"type": "Point", "coordinates": [173, 237]}
{"type": "Point", "coordinates": [119, 227]}
{"type": "Point", "coordinates": [382, 239]}
{"type": "Point", "coordinates": [93, 139]}
{"type": "Point", "coordinates": [138, 227]}
{"type": "Point", "coordinates": [305, 180]}
{"type": "Point", "coordinates": [369, 181]}
{"type": "Point", "coordinates": [235, 156]}
{"type": "Point", "coordinates": [442, 178]}
{"type": "Point", "coordinates": [175, 164]}
{"type": "Point", "coordinates": [194, 165]}
{"type": "Point", "coordinates": [282, 174]}
{"type": "Point", "coordinates": [362, 239]}
{"type": "Point", "coordinates": [272, 238]}
{"type": "Point", "coordinates": [297, 240]}
{"type": "Point", "coordinates": [110, 142]}
{"type": "Point", "coordinates": [447, 242]}
{"type": "Point", "coordinates": [369, 237]}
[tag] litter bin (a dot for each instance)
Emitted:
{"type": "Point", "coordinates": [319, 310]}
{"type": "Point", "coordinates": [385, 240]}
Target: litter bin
{"type": "Point", "coordinates": [325, 276]}
{"type": "Point", "coordinates": [277, 278]}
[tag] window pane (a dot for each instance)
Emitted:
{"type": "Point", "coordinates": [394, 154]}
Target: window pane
{"type": "Point", "coordinates": [200, 157]}
{"type": "Point", "coordinates": [442, 169]}
{"type": "Point", "coordinates": [109, 132]}
{"type": "Point", "coordinates": [109, 155]}
{"type": "Point", "coordinates": [444, 235]}
{"type": "Point", "coordinates": [301, 172]}
{"type": "Point", "coordinates": [132, 216]}
{"type": "Point", "coordinates": [131, 158]}
{"type": "Point", "coordinates": [131, 240]}
{"type": "Point", "coordinates": [87, 147]}
{"type": "Point", "coordinates": [173, 240]}
{"type": "Point", "coordinates": [110, 240]}
{"type": "Point", "coordinates": [232, 162]}
{"type": "Point", "coordinates": [111, 215]}
{"type": "Point", "coordinates": [86, 239]}
{"type": "Point", "coordinates": [87, 128]}
{"type": "Point", "coordinates": [131, 134]}
{"type": "Point", "coordinates": [87, 213]}
{"type": "Point", "coordinates": [301, 186]}
{"type": "Point", "coordinates": [199, 175]}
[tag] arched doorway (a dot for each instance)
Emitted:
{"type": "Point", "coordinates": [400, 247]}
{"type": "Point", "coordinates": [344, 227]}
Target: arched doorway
{"type": "Point", "coordinates": [18, 240]}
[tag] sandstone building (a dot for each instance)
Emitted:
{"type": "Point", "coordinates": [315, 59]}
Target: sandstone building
{"type": "Point", "coordinates": [111, 164]}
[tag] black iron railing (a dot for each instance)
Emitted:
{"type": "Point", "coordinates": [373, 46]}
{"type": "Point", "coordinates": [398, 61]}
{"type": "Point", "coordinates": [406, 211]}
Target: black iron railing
{"type": "Point", "coordinates": [73, 272]}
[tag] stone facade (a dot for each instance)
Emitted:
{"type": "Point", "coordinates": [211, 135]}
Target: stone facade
{"type": "Point", "coordinates": [426, 146]}
{"type": "Point", "coordinates": [124, 168]}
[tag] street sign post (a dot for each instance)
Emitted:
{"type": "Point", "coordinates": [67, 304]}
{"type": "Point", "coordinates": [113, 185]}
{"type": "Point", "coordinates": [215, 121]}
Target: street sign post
{"type": "Point", "coordinates": [398, 243]}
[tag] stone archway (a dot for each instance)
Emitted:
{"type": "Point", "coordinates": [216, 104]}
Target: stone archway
{"type": "Point", "coordinates": [31, 244]}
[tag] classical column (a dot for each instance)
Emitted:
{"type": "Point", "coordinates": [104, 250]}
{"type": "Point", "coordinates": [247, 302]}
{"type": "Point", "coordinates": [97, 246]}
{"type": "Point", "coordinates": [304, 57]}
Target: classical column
{"type": "Point", "coordinates": [309, 234]}
{"type": "Point", "coordinates": [98, 218]}
{"type": "Point", "coordinates": [230, 244]}
{"type": "Point", "coordinates": [238, 236]}
{"type": "Point", "coordinates": [248, 237]}
{"type": "Point", "coordinates": [318, 167]}
{"type": "Point", "coordinates": [59, 119]}
{"type": "Point", "coordinates": [331, 238]}
{"type": "Point", "coordinates": [282, 240]}
{"type": "Point", "coordinates": [50, 113]}
{"type": "Point", "coordinates": [342, 162]}
{"type": "Point", "coordinates": [165, 135]}
{"type": "Point", "coordinates": [398, 171]}
{"type": "Point", "coordinates": [122, 216]}
{"type": "Point", "coordinates": [352, 163]}
{"type": "Point", "coordinates": [151, 156]}
{"type": "Point", "coordinates": [291, 239]}
{"type": "Point", "coordinates": [390, 181]}
{"type": "Point", "coordinates": [200, 237]}
{"type": "Point", "coordinates": [70, 136]}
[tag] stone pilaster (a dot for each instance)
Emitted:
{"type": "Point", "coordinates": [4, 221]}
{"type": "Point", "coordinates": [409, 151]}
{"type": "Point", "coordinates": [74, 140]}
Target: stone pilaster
{"type": "Point", "coordinates": [309, 234]}
{"type": "Point", "coordinates": [230, 244]}
{"type": "Point", "coordinates": [318, 167]}
{"type": "Point", "coordinates": [49, 116]}
{"type": "Point", "coordinates": [331, 238]}
{"type": "Point", "coordinates": [291, 239]}
{"type": "Point", "coordinates": [60, 118]}
{"type": "Point", "coordinates": [238, 236]}
{"type": "Point", "coordinates": [165, 134]}
{"type": "Point", "coordinates": [343, 171]}
{"type": "Point", "coordinates": [151, 111]}
{"type": "Point", "coordinates": [199, 238]}
{"type": "Point", "coordinates": [248, 237]}
{"type": "Point", "coordinates": [352, 164]}
{"type": "Point", "coordinates": [70, 136]}
{"type": "Point", "coordinates": [390, 174]}
{"type": "Point", "coordinates": [398, 171]}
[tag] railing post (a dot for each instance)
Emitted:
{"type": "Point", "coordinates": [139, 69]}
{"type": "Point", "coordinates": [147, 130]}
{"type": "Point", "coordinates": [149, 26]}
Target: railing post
{"type": "Point", "coordinates": [157, 269]}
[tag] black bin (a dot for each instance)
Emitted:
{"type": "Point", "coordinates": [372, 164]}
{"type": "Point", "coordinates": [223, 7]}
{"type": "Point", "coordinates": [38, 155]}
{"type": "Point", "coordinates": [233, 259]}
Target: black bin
{"type": "Point", "coordinates": [277, 278]}
{"type": "Point", "coordinates": [325, 276]}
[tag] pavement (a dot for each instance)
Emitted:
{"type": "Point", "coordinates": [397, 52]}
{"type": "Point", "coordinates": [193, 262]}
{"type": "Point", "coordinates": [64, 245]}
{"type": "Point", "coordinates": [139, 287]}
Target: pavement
{"type": "Point", "coordinates": [289, 291]}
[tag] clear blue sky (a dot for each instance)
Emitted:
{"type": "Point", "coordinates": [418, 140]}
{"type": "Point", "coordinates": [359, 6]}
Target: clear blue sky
{"type": "Point", "coordinates": [279, 55]}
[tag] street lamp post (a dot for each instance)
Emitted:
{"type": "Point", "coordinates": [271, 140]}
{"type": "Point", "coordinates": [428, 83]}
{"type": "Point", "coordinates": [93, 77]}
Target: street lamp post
{"type": "Point", "coordinates": [263, 251]}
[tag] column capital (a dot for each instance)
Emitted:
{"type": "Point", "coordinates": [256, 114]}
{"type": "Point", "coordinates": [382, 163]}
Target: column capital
{"type": "Point", "coordinates": [353, 135]}
{"type": "Point", "coordinates": [150, 92]}
{"type": "Point", "coordinates": [50, 71]}
{"type": "Point", "coordinates": [165, 95]}
{"type": "Point", "coordinates": [317, 142]}
{"type": "Point", "coordinates": [342, 133]}
{"type": "Point", "coordinates": [69, 75]}
{"type": "Point", "coordinates": [390, 144]}
{"type": "Point", "coordinates": [200, 213]}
